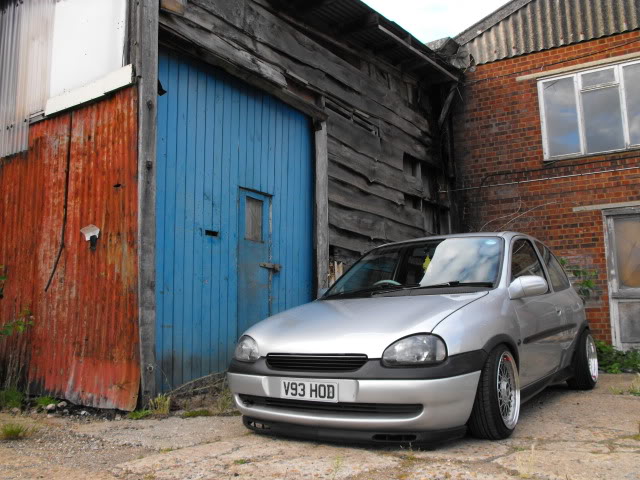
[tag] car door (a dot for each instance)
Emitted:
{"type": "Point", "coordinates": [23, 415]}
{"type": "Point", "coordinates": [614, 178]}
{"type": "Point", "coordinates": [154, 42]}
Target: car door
{"type": "Point", "coordinates": [567, 300]}
{"type": "Point", "coordinates": [537, 316]}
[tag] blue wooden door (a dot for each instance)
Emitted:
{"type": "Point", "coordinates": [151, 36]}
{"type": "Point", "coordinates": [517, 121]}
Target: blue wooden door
{"type": "Point", "coordinates": [221, 142]}
{"type": "Point", "coordinates": [254, 269]}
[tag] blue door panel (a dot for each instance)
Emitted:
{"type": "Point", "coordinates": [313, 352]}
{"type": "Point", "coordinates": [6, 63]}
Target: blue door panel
{"type": "Point", "coordinates": [220, 140]}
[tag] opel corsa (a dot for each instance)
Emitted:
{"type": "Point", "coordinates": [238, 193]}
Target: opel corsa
{"type": "Point", "coordinates": [417, 342]}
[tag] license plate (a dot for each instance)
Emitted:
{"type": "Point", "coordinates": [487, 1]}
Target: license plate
{"type": "Point", "coordinates": [309, 390]}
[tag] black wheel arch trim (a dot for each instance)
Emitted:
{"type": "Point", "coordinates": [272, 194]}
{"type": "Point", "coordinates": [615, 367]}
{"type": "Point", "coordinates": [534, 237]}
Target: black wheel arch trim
{"type": "Point", "coordinates": [493, 342]}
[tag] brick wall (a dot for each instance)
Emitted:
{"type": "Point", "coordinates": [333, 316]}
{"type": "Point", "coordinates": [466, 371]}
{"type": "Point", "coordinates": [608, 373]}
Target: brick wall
{"type": "Point", "coordinates": [503, 181]}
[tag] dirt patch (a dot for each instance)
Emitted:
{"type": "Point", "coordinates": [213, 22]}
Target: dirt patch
{"type": "Point", "coordinates": [562, 434]}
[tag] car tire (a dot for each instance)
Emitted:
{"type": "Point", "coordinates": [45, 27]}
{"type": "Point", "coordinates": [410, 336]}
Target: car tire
{"type": "Point", "coordinates": [497, 404]}
{"type": "Point", "coordinates": [585, 363]}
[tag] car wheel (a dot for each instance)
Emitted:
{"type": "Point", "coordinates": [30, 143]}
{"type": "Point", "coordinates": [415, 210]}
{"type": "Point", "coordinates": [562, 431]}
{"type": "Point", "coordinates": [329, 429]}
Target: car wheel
{"type": "Point", "coordinates": [585, 363]}
{"type": "Point", "coordinates": [497, 405]}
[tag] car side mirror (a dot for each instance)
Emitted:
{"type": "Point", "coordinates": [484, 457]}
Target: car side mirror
{"type": "Point", "coordinates": [527, 286]}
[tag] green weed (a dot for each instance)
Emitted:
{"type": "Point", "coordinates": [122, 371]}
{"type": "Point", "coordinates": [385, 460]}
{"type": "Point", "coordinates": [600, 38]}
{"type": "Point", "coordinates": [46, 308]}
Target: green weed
{"type": "Point", "coordinates": [139, 414]}
{"type": "Point", "coordinates": [242, 461]}
{"type": "Point", "coordinates": [11, 398]}
{"type": "Point", "coordinates": [44, 401]}
{"type": "Point", "coordinates": [612, 360]}
{"type": "Point", "coordinates": [197, 413]}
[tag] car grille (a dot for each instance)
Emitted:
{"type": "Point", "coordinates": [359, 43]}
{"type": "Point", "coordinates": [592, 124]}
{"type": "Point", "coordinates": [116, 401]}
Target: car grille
{"type": "Point", "coordinates": [316, 363]}
{"type": "Point", "coordinates": [341, 407]}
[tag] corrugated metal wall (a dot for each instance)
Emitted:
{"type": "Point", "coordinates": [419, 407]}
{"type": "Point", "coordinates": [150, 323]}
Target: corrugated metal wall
{"type": "Point", "coordinates": [216, 136]}
{"type": "Point", "coordinates": [26, 32]}
{"type": "Point", "coordinates": [543, 24]}
{"type": "Point", "coordinates": [84, 342]}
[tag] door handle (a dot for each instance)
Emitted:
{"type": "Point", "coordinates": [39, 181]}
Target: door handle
{"type": "Point", "coordinates": [276, 267]}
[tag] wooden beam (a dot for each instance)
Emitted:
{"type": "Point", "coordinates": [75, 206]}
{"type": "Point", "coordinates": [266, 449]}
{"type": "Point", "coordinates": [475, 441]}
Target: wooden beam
{"type": "Point", "coordinates": [417, 52]}
{"type": "Point", "coordinates": [322, 208]}
{"type": "Point", "coordinates": [447, 105]}
{"type": "Point", "coordinates": [145, 57]}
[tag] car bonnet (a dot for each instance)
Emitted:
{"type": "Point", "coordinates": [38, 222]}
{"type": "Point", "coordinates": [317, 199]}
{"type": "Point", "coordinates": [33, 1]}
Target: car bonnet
{"type": "Point", "coordinates": [360, 325]}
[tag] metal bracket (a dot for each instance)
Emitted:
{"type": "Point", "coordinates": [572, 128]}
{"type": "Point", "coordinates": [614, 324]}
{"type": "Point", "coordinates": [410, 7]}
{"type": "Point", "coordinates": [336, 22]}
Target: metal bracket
{"type": "Point", "coordinates": [276, 267]}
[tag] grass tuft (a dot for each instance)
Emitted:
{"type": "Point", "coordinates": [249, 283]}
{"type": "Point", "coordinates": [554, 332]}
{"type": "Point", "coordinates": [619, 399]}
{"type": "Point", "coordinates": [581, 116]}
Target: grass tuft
{"type": "Point", "coordinates": [224, 401]}
{"type": "Point", "coordinates": [197, 413]}
{"type": "Point", "coordinates": [11, 398]}
{"type": "Point", "coordinates": [13, 431]}
{"type": "Point", "coordinates": [161, 405]}
{"type": "Point", "coordinates": [44, 401]}
{"type": "Point", "coordinates": [139, 414]}
{"type": "Point", "coordinates": [242, 461]}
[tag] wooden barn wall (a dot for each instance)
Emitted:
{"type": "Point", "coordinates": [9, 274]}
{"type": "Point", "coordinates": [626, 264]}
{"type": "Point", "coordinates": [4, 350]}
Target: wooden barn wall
{"type": "Point", "coordinates": [80, 169]}
{"type": "Point", "coordinates": [374, 121]}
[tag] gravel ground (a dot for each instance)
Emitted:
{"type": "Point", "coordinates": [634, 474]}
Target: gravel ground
{"type": "Point", "coordinates": [562, 435]}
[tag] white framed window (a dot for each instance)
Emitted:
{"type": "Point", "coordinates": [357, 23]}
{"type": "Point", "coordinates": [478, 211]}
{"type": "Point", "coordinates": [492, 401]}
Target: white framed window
{"type": "Point", "coordinates": [591, 111]}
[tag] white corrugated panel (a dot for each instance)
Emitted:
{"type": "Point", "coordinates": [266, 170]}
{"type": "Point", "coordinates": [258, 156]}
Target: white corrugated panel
{"type": "Point", "coordinates": [537, 25]}
{"type": "Point", "coordinates": [25, 60]}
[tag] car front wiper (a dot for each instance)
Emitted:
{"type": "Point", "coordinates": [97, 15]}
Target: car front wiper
{"type": "Point", "coordinates": [455, 283]}
{"type": "Point", "coordinates": [372, 289]}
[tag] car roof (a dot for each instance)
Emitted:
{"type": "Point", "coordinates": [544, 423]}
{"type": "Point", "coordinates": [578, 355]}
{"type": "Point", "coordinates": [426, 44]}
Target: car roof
{"type": "Point", "coordinates": [507, 235]}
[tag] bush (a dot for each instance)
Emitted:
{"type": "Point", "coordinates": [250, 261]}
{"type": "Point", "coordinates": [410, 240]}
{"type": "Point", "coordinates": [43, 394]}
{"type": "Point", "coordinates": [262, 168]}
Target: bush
{"type": "Point", "coordinates": [612, 360]}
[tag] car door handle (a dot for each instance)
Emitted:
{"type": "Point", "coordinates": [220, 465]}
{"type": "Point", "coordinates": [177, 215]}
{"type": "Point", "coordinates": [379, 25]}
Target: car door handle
{"type": "Point", "coordinates": [276, 267]}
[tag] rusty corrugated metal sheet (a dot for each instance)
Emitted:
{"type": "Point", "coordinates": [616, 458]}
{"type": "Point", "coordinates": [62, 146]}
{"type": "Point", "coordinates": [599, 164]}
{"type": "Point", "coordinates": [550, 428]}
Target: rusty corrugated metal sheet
{"type": "Point", "coordinates": [84, 343]}
{"type": "Point", "coordinates": [542, 24]}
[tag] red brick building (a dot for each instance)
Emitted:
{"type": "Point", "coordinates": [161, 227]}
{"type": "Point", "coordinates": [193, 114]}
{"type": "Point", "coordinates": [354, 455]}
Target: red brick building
{"type": "Point", "coordinates": [547, 141]}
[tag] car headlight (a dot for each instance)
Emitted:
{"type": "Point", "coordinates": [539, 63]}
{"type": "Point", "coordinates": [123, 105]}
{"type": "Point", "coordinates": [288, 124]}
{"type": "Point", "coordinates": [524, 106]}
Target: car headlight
{"type": "Point", "coordinates": [246, 350]}
{"type": "Point", "coordinates": [423, 349]}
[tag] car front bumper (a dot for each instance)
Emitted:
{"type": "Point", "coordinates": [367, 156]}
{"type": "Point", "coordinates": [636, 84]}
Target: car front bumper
{"type": "Point", "coordinates": [446, 403]}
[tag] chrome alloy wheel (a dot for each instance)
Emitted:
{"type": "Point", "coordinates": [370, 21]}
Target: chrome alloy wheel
{"type": "Point", "coordinates": [592, 357]}
{"type": "Point", "coordinates": [508, 385]}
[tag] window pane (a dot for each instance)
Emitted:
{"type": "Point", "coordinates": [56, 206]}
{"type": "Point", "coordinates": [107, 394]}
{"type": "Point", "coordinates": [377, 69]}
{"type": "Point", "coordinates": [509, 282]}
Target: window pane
{"type": "Point", "coordinates": [627, 244]}
{"type": "Point", "coordinates": [524, 260]}
{"type": "Point", "coordinates": [602, 119]}
{"type": "Point", "coordinates": [632, 90]}
{"type": "Point", "coordinates": [561, 117]}
{"type": "Point", "coordinates": [557, 276]}
{"type": "Point", "coordinates": [253, 220]}
{"type": "Point", "coordinates": [598, 78]}
{"type": "Point", "coordinates": [629, 322]}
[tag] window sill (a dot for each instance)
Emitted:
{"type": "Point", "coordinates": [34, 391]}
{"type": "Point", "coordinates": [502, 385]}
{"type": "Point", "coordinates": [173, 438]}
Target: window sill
{"type": "Point", "coordinates": [635, 148]}
{"type": "Point", "coordinates": [113, 81]}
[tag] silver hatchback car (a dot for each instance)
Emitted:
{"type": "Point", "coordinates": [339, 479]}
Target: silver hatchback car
{"type": "Point", "coordinates": [417, 342]}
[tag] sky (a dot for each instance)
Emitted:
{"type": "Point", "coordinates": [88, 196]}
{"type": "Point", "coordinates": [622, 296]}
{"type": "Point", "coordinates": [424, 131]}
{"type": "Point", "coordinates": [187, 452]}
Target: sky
{"type": "Point", "coordinates": [429, 20]}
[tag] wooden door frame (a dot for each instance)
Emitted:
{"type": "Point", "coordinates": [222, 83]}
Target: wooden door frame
{"type": "Point", "coordinates": [144, 50]}
{"type": "Point", "coordinates": [608, 216]}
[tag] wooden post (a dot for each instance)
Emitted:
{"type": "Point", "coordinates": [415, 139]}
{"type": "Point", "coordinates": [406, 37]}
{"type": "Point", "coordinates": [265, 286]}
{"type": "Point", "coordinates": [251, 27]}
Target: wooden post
{"type": "Point", "coordinates": [144, 49]}
{"type": "Point", "coordinates": [322, 207]}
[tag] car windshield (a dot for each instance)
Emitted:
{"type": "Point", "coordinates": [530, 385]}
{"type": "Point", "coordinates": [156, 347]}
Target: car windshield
{"type": "Point", "coordinates": [448, 262]}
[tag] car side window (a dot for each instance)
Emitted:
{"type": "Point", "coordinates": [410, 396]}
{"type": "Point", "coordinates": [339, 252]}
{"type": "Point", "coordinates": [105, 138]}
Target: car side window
{"type": "Point", "coordinates": [557, 276]}
{"type": "Point", "coordinates": [524, 260]}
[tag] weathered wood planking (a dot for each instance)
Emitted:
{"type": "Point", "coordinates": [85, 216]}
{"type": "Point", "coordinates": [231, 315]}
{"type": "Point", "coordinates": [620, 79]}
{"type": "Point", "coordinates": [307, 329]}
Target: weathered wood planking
{"type": "Point", "coordinates": [372, 117]}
